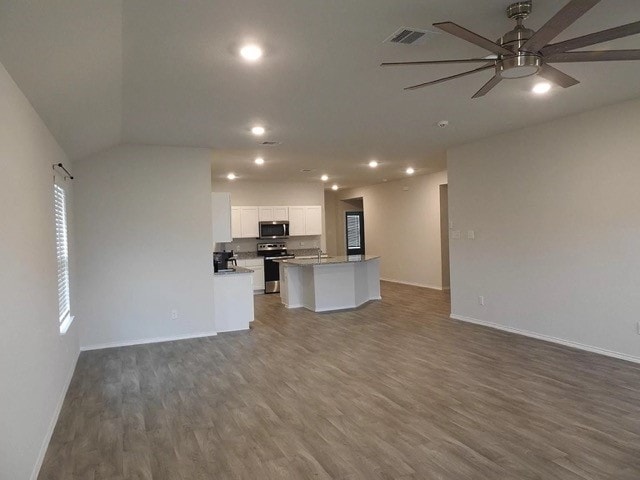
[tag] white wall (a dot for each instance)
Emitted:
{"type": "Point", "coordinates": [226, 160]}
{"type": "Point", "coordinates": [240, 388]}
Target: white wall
{"type": "Point", "coordinates": [556, 211]}
{"type": "Point", "coordinates": [143, 224]}
{"type": "Point", "coordinates": [403, 227]}
{"type": "Point", "coordinates": [36, 362]}
{"type": "Point", "coordinates": [244, 193]}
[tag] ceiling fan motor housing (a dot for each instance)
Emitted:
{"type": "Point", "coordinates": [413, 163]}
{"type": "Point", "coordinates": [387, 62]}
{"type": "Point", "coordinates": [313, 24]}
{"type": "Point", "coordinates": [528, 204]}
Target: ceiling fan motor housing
{"type": "Point", "coordinates": [522, 64]}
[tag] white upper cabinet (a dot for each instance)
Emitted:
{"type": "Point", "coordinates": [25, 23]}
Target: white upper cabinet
{"type": "Point", "coordinates": [305, 221]}
{"type": "Point", "coordinates": [313, 220]}
{"type": "Point", "coordinates": [271, 214]}
{"type": "Point", "coordinates": [244, 222]}
{"type": "Point", "coordinates": [236, 222]}
{"type": "Point", "coordinates": [221, 216]}
{"type": "Point", "coordinates": [297, 223]}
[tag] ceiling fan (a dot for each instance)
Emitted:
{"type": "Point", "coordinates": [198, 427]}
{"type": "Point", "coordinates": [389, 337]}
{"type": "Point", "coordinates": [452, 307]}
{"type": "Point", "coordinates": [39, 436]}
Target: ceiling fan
{"type": "Point", "coordinates": [522, 52]}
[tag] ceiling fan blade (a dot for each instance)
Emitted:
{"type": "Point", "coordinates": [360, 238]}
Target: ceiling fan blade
{"type": "Point", "coordinates": [556, 76]}
{"type": "Point", "coordinates": [593, 38]}
{"type": "Point", "coordinates": [440, 80]}
{"type": "Point", "coordinates": [436, 62]}
{"type": "Point", "coordinates": [474, 38]}
{"type": "Point", "coordinates": [571, 12]}
{"type": "Point", "coordinates": [488, 86]}
{"type": "Point", "coordinates": [594, 56]}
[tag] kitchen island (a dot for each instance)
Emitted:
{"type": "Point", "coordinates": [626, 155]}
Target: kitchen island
{"type": "Point", "coordinates": [329, 283]}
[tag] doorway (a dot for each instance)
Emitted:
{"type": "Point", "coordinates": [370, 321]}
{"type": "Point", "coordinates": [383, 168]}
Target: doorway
{"type": "Point", "coordinates": [444, 235]}
{"type": "Point", "coordinates": [354, 228]}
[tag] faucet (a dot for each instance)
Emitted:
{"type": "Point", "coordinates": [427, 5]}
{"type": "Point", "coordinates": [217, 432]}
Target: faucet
{"type": "Point", "coordinates": [319, 254]}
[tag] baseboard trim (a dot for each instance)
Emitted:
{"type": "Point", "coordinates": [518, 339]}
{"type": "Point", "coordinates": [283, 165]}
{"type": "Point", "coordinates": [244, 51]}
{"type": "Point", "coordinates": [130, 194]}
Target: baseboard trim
{"type": "Point", "coordinates": [54, 420]}
{"type": "Point", "coordinates": [548, 338]}
{"type": "Point", "coordinates": [422, 285]}
{"type": "Point", "coordinates": [144, 341]}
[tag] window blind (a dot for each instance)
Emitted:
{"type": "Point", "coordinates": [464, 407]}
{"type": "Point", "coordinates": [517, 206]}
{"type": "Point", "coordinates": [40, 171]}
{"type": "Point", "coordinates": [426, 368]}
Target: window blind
{"type": "Point", "coordinates": [353, 232]}
{"type": "Point", "coordinates": [62, 252]}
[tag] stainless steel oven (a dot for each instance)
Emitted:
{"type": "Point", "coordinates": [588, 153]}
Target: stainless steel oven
{"type": "Point", "coordinates": [272, 252]}
{"type": "Point", "coordinates": [278, 229]}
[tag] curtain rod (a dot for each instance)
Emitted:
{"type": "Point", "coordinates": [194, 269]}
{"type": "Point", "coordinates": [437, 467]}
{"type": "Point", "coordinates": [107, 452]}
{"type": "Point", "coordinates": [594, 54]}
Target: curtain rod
{"type": "Point", "coordinates": [65, 170]}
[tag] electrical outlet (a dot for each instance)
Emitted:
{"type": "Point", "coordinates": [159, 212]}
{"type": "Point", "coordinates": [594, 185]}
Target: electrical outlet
{"type": "Point", "coordinates": [481, 300]}
{"type": "Point", "coordinates": [302, 244]}
{"type": "Point", "coordinates": [471, 235]}
{"type": "Point", "coordinates": [237, 247]}
{"type": "Point", "coordinates": [450, 224]}
{"type": "Point", "coordinates": [455, 234]}
{"type": "Point", "coordinates": [174, 314]}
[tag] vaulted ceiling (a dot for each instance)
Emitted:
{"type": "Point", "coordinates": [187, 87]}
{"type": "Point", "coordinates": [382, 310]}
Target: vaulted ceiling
{"type": "Point", "coordinates": [166, 72]}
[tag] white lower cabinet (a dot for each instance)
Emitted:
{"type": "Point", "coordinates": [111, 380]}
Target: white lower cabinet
{"type": "Point", "coordinates": [232, 302]}
{"type": "Point", "coordinates": [257, 265]}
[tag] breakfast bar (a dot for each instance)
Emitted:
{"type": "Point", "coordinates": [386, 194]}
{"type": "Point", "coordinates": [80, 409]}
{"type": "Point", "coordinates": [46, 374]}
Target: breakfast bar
{"type": "Point", "coordinates": [331, 283]}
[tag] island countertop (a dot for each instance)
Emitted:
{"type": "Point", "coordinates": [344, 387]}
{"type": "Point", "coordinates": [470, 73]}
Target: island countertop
{"type": "Point", "coordinates": [310, 262]}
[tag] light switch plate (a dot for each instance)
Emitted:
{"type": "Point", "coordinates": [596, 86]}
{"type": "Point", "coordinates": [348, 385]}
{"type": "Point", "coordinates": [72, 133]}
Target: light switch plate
{"type": "Point", "coordinates": [455, 234]}
{"type": "Point", "coordinates": [471, 234]}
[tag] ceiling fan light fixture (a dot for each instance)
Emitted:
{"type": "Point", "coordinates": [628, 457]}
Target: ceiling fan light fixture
{"type": "Point", "coordinates": [520, 66]}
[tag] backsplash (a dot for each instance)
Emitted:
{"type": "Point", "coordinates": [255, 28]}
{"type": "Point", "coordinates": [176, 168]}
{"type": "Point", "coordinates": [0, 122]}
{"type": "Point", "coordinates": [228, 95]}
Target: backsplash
{"type": "Point", "coordinates": [247, 247]}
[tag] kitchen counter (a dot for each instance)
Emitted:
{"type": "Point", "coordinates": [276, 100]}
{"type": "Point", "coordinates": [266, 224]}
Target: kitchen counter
{"type": "Point", "coordinates": [233, 271]}
{"type": "Point", "coordinates": [334, 283]}
{"type": "Point", "coordinates": [324, 260]}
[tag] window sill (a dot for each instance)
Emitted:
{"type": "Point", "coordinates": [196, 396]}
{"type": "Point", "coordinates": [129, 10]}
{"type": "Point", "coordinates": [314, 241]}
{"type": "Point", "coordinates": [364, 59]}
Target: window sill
{"type": "Point", "coordinates": [64, 326]}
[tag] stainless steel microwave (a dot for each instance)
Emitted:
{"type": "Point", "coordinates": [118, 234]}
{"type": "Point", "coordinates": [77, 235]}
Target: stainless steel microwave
{"type": "Point", "coordinates": [278, 229]}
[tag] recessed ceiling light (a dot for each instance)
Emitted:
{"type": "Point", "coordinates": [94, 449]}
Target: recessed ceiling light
{"type": "Point", "coordinates": [541, 88]}
{"type": "Point", "coordinates": [259, 161]}
{"type": "Point", "coordinates": [257, 130]}
{"type": "Point", "coordinates": [334, 187]}
{"type": "Point", "coordinates": [231, 176]}
{"type": "Point", "coordinates": [410, 171]}
{"type": "Point", "coordinates": [324, 178]}
{"type": "Point", "coordinates": [251, 52]}
{"type": "Point", "coordinates": [373, 164]}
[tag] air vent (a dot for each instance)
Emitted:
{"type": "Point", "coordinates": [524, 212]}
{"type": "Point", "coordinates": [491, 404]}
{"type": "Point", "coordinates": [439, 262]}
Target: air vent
{"type": "Point", "coordinates": [270, 144]}
{"type": "Point", "coordinates": [410, 36]}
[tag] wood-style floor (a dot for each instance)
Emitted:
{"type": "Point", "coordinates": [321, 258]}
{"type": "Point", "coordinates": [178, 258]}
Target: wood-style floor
{"type": "Point", "coordinates": [393, 390]}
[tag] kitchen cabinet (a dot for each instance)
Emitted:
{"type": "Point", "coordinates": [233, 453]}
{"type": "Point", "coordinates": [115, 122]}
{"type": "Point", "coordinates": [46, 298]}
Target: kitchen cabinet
{"type": "Point", "coordinates": [244, 222]}
{"type": "Point", "coordinates": [273, 214]}
{"type": "Point", "coordinates": [305, 220]}
{"type": "Point", "coordinates": [232, 302]}
{"type": "Point", "coordinates": [313, 220]}
{"type": "Point", "coordinates": [257, 265]}
{"type": "Point", "coordinates": [296, 221]}
{"type": "Point", "coordinates": [221, 217]}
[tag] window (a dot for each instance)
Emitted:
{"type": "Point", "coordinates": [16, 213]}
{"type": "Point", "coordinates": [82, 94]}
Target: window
{"type": "Point", "coordinates": [354, 227]}
{"type": "Point", "coordinates": [62, 254]}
